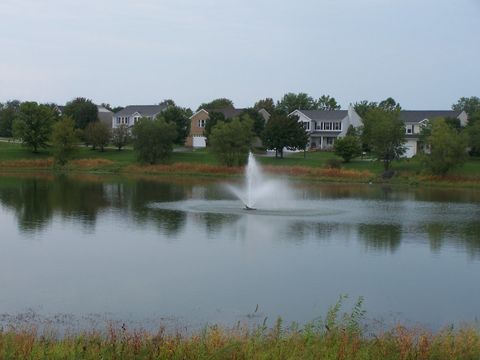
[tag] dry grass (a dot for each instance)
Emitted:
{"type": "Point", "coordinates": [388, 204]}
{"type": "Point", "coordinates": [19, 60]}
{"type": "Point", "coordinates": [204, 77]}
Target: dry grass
{"type": "Point", "coordinates": [27, 164]}
{"type": "Point", "coordinates": [91, 163]}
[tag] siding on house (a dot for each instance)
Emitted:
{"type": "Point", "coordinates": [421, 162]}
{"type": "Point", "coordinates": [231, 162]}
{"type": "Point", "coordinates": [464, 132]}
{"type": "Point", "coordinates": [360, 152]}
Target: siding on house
{"type": "Point", "coordinates": [132, 113]}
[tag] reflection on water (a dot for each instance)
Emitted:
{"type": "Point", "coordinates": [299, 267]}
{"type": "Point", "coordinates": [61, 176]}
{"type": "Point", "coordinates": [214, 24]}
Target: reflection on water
{"type": "Point", "coordinates": [167, 247]}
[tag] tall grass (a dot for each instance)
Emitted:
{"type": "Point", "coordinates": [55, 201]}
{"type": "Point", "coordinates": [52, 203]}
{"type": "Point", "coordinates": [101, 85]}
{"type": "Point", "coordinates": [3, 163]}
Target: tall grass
{"type": "Point", "coordinates": [335, 337]}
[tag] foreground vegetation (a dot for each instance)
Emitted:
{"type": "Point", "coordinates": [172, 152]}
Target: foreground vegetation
{"type": "Point", "coordinates": [333, 338]}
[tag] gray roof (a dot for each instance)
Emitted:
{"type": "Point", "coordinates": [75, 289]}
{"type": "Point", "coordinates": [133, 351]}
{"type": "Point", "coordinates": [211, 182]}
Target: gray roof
{"type": "Point", "coordinates": [415, 116]}
{"type": "Point", "coordinates": [143, 110]}
{"type": "Point", "coordinates": [325, 115]}
{"type": "Point", "coordinates": [228, 112]}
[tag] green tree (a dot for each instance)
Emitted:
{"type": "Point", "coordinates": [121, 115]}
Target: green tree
{"type": "Point", "coordinates": [231, 141]}
{"type": "Point", "coordinates": [8, 112]}
{"type": "Point", "coordinates": [258, 120]}
{"type": "Point", "coordinates": [120, 136]}
{"type": "Point", "coordinates": [33, 125]}
{"type": "Point", "coordinates": [216, 104]}
{"type": "Point", "coordinates": [384, 133]}
{"type": "Point", "coordinates": [470, 105]}
{"type": "Point", "coordinates": [178, 116]}
{"type": "Point", "coordinates": [82, 111]}
{"type": "Point", "coordinates": [98, 135]}
{"type": "Point", "coordinates": [153, 139]}
{"type": "Point", "coordinates": [348, 147]}
{"type": "Point", "coordinates": [389, 104]}
{"type": "Point", "coordinates": [213, 118]}
{"type": "Point", "coordinates": [447, 148]}
{"type": "Point", "coordinates": [291, 102]}
{"type": "Point", "coordinates": [64, 139]}
{"type": "Point", "coordinates": [266, 104]}
{"type": "Point", "coordinates": [283, 131]}
{"type": "Point", "coordinates": [326, 102]}
{"type": "Point", "coordinates": [473, 134]}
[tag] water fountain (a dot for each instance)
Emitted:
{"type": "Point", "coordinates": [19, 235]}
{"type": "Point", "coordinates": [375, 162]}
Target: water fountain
{"type": "Point", "coordinates": [260, 194]}
{"type": "Point", "coordinates": [258, 187]}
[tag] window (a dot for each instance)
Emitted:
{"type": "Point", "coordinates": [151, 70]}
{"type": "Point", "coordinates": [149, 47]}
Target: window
{"type": "Point", "coordinates": [135, 119]}
{"type": "Point", "coordinates": [306, 125]}
{"type": "Point", "coordinates": [409, 129]}
{"type": "Point", "coordinates": [330, 140]}
{"type": "Point", "coordinates": [201, 123]}
{"type": "Point", "coordinates": [118, 120]}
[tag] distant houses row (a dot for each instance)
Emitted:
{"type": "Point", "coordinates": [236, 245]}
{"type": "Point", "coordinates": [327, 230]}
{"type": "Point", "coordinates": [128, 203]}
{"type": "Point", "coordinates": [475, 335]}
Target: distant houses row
{"type": "Point", "coordinates": [323, 127]}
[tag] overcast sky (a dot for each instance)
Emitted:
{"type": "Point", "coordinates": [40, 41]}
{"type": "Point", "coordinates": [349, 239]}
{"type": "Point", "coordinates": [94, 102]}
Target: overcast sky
{"type": "Point", "coordinates": [424, 53]}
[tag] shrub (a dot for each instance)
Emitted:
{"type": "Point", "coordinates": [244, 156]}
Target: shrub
{"type": "Point", "coordinates": [64, 139]}
{"type": "Point", "coordinates": [153, 139]}
{"type": "Point", "coordinates": [348, 147]}
{"type": "Point", "coordinates": [231, 141]}
{"type": "Point", "coordinates": [120, 136]}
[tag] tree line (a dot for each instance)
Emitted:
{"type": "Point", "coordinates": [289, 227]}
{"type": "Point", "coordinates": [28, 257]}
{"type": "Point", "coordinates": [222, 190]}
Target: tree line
{"type": "Point", "coordinates": [382, 133]}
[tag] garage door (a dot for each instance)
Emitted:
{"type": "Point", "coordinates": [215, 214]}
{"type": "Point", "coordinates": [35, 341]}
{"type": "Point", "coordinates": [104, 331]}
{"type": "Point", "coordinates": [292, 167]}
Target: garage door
{"type": "Point", "coordinates": [411, 149]}
{"type": "Point", "coordinates": [199, 141]}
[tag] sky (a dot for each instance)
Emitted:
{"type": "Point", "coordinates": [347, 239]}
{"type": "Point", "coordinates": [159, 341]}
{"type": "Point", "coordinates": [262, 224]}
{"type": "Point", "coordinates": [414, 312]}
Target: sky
{"type": "Point", "coordinates": [423, 53]}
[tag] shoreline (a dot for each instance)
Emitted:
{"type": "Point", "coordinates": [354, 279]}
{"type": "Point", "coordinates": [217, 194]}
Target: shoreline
{"type": "Point", "coordinates": [101, 166]}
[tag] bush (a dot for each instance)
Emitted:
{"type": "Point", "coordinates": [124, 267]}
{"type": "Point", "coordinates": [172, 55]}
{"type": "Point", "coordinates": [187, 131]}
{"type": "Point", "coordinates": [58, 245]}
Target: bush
{"type": "Point", "coordinates": [447, 148]}
{"type": "Point", "coordinates": [231, 141]}
{"type": "Point", "coordinates": [64, 139]}
{"type": "Point", "coordinates": [120, 136]}
{"type": "Point", "coordinates": [333, 163]}
{"type": "Point", "coordinates": [348, 147]}
{"type": "Point", "coordinates": [153, 139]}
{"type": "Point", "coordinates": [97, 134]}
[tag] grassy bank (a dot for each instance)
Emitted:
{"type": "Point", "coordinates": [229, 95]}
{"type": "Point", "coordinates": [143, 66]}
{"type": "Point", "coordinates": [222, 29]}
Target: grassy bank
{"type": "Point", "coordinates": [201, 162]}
{"type": "Point", "coordinates": [217, 343]}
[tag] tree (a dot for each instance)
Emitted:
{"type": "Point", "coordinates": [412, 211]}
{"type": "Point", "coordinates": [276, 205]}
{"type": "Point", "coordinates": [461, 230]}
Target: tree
{"type": "Point", "coordinates": [178, 116]}
{"type": "Point", "coordinates": [470, 105]}
{"type": "Point", "coordinates": [153, 139]}
{"type": "Point", "coordinates": [213, 118]}
{"type": "Point", "coordinates": [473, 134]}
{"type": "Point", "coordinates": [291, 102]}
{"type": "Point", "coordinates": [258, 121]}
{"type": "Point", "coordinates": [98, 135]}
{"type": "Point", "coordinates": [120, 136]}
{"type": "Point", "coordinates": [447, 148]}
{"type": "Point", "coordinates": [8, 112]}
{"type": "Point", "coordinates": [389, 104]}
{"type": "Point", "coordinates": [348, 147]}
{"type": "Point", "coordinates": [64, 139]}
{"type": "Point", "coordinates": [231, 141]}
{"type": "Point", "coordinates": [216, 104]}
{"type": "Point", "coordinates": [328, 103]}
{"type": "Point", "coordinates": [33, 125]}
{"type": "Point", "coordinates": [266, 104]}
{"type": "Point", "coordinates": [283, 131]}
{"type": "Point", "coordinates": [384, 133]}
{"type": "Point", "coordinates": [82, 111]}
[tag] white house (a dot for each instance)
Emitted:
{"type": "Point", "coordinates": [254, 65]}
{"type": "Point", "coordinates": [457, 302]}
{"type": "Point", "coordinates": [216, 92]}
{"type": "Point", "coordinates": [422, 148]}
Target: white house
{"type": "Point", "coordinates": [323, 127]}
{"type": "Point", "coordinates": [132, 113]}
{"type": "Point", "coordinates": [415, 119]}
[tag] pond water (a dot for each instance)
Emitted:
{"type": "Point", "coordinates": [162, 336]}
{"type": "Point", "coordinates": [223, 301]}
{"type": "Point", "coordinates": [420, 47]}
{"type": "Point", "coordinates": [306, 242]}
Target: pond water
{"type": "Point", "coordinates": [148, 251]}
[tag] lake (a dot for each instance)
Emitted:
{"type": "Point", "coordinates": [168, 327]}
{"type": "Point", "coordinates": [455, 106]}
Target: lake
{"type": "Point", "coordinates": [79, 250]}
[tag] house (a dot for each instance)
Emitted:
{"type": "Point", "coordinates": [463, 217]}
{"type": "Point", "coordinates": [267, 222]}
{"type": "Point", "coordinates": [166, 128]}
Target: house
{"type": "Point", "coordinates": [414, 121]}
{"type": "Point", "coordinates": [104, 115]}
{"type": "Point", "coordinates": [196, 137]}
{"type": "Point", "coordinates": [323, 127]}
{"type": "Point", "coordinates": [130, 114]}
